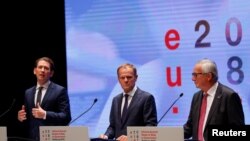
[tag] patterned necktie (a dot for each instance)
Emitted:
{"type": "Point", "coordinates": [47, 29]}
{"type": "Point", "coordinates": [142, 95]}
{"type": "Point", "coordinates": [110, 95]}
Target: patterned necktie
{"type": "Point", "coordinates": [202, 117]}
{"type": "Point", "coordinates": [39, 95]}
{"type": "Point", "coordinates": [125, 107]}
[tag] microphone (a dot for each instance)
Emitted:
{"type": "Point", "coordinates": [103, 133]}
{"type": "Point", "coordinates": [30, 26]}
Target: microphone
{"type": "Point", "coordinates": [11, 106]}
{"type": "Point", "coordinates": [170, 108]}
{"type": "Point", "coordinates": [95, 100]}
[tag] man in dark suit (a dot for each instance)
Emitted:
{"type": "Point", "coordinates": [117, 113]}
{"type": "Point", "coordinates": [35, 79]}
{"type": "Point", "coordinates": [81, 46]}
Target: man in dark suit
{"type": "Point", "coordinates": [51, 108]}
{"type": "Point", "coordinates": [223, 105]}
{"type": "Point", "coordinates": [141, 109]}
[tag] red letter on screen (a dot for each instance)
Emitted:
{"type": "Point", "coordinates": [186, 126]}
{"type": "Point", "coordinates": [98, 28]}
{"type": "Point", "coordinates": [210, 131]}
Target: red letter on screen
{"type": "Point", "coordinates": [178, 77]}
{"type": "Point", "coordinates": [174, 37]}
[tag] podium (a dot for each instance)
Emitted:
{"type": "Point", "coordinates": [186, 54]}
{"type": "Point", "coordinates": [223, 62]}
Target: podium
{"type": "Point", "coordinates": [3, 134]}
{"type": "Point", "coordinates": [171, 133]}
{"type": "Point", "coordinates": [64, 133]}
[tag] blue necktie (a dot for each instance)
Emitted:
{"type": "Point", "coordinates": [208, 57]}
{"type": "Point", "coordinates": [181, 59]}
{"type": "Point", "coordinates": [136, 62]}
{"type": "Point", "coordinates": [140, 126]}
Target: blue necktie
{"type": "Point", "coordinates": [125, 107]}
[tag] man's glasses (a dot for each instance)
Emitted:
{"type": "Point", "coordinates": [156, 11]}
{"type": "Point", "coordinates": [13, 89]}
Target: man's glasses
{"type": "Point", "coordinates": [196, 74]}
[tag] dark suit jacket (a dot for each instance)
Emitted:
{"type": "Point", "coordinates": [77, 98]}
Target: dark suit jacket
{"type": "Point", "coordinates": [226, 109]}
{"type": "Point", "coordinates": [141, 112]}
{"type": "Point", "coordinates": [55, 103]}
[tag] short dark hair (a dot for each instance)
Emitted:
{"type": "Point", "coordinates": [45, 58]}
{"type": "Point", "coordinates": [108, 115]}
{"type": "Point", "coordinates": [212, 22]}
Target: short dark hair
{"type": "Point", "coordinates": [47, 59]}
{"type": "Point", "coordinates": [127, 65]}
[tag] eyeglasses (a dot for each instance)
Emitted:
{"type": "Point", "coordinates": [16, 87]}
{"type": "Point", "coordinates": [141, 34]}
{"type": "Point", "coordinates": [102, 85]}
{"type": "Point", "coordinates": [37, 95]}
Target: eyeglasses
{"type": "Point", "coordinates": [196, 74]}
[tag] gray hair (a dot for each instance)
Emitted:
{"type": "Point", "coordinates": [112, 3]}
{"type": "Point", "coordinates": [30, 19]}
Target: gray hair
{"type": "Point", "coordinates": [209, 66]}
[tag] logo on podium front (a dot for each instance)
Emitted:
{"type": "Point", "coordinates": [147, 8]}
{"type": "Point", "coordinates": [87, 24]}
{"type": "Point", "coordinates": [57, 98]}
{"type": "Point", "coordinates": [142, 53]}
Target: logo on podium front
{"type": "Point", "coordinates": [63, 133]}
{"type": "Point", "coordinates": [155, 133]}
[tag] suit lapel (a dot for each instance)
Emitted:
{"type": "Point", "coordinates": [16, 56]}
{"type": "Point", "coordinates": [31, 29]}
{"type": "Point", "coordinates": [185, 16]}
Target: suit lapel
{"type": "Point", "coordinates": [134, 101]}
{"type": "Point", "coordinates": [32, 98]}
{"type": "Point", "coordinates": [132, 104]}
{"type": "Point", "coordinates": [47, 94]}
{"type": "Point", "coordinates": [119, 106]}
{"type": "Point", "coordinates": [215, 104]}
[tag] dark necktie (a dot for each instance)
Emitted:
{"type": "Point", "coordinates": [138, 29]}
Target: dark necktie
{"type": "Point", "coordinates": [202, 117]}
{"type": "Point", "coordinates": [125, 107]}
{"type": "Point", "coordinates": [39, 95]}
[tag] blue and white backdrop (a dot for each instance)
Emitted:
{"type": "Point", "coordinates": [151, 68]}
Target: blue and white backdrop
{"type": "Point", "coordinates": [164, 39]}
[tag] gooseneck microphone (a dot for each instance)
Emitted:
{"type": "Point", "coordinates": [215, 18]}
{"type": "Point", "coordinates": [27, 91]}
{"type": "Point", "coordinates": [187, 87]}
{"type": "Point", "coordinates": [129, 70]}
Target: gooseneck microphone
{"type": "Point", "coordinates": [170, 108]}
{"type": "Point", "coordinates": [11, 106]}
{"type": "Point", "coordinates": [95, 100]}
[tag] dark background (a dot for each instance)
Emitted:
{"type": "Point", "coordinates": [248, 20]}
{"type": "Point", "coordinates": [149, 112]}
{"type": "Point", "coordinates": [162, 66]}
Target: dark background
{"type": "Point", "coordinates": [30, 29]}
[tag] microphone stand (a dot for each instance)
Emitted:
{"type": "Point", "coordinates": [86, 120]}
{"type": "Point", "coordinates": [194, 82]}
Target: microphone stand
{"type": "Point", "coordinates": [84, 112]}
{"type": "Point", "coordinates": [170, 108]}
{"type": "Point", "coordinates": [12, 104]}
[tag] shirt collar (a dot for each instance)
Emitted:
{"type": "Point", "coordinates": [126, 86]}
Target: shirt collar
{"type": "Point", "coordinates": [45, 86]}
{"type": "Point", "coordinates": [131, 93]}
{"type": "Point", "coordinates": [212, 90]}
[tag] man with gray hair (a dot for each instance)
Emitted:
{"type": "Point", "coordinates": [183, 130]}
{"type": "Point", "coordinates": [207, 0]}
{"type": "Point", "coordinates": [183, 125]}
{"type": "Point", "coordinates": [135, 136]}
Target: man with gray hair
{"type": "Point", "coordinates": [213, 104]}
